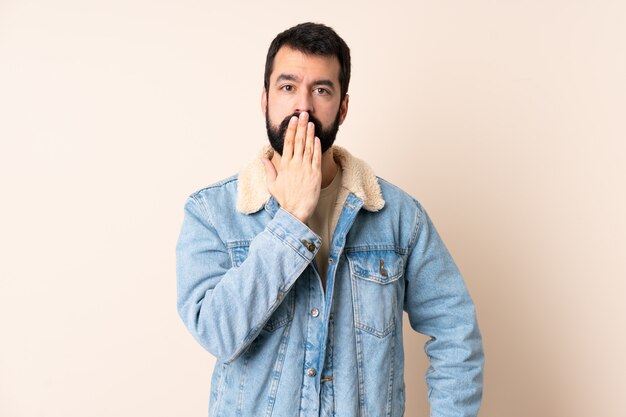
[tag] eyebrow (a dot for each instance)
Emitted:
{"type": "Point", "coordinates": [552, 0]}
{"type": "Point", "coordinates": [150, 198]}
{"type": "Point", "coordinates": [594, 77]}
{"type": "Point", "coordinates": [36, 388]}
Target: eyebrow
{"type": "Point", "coordinates": [291, 77]}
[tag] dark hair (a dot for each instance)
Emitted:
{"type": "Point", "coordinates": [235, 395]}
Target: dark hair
{"type": "Point", "coordinates": [311, 38]}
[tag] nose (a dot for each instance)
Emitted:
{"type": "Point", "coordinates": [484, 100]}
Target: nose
{"type": "Point", "coordinates": [303, 102]}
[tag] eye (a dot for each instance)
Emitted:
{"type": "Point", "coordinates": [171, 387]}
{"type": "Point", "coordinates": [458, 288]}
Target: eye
{"type": "Point", "coordinates": [287, 87]}
{"type": "Point", "coordinates": [321, 91]}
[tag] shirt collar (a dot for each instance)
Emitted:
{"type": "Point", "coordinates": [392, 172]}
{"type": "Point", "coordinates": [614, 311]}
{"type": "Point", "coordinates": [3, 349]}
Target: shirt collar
{"type": "Point", "coordinates": [358, 178]}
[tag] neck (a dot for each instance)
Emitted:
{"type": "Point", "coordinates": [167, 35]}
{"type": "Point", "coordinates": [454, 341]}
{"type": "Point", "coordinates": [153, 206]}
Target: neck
{"type": "Point", "coordinates": [329, 166]}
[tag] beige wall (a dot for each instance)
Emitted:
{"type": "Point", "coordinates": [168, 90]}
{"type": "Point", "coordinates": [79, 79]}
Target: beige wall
{"type": "Point", "coordinates": [504, 118]}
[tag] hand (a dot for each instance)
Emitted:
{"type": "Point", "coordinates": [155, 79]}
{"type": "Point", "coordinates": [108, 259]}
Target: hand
{"type": "Point", "coordinates": [296, 186]}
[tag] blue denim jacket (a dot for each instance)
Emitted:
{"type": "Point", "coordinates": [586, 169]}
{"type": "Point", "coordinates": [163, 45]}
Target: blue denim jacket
{"type": "Point", "coordinates": [249, 292]}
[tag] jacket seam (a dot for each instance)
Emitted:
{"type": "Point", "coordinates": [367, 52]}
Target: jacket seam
{"type": "Point", "coordinates": [366, 248]}
{"type": "Point", "coordinates": [359, 354]}
{"type": "Point", "coordinates": [392, 368]}
{"type": "Point", "coordinates": [217, 184]}
{"type": "Point", "coordinates": [242, 383]}
{"type": "Point", "coordinates": [417, 228]}
{"type": "Point", "coordinates": [278, 370]}
{"type": "Point", "coordinates": [195, 195]}
{"type": "Point", "coordinates": [202, 208]}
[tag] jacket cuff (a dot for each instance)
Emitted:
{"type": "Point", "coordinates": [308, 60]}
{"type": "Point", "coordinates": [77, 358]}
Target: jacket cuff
{"type": "Point", "coordinates": [295, 234]}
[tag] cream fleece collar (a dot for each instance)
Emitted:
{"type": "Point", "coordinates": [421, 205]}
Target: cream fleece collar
{"type": "Point", "coordinates": [357, 177]}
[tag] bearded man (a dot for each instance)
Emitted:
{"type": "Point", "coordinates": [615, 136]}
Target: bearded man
{"type": "Point", "coordinates": [295, 272]}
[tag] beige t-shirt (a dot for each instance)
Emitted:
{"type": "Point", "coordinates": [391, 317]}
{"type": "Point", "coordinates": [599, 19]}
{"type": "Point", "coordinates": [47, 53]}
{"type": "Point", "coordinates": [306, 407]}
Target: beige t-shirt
{"type": "Point", "coordinates": [324, 220]}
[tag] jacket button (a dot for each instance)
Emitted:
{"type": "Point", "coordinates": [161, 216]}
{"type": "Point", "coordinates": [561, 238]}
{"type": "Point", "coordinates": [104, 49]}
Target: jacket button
{"type": "Point", "coordinates": [315, 312]}
{"type": "Point", "coordinates": [310, 246]}
{"type": "Point", "coordinates": [311, 372]}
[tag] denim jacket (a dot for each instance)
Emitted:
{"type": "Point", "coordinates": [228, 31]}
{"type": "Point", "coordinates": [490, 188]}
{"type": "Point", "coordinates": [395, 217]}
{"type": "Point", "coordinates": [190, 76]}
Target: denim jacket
{"type": "Point", "coordinates": [251, 295]}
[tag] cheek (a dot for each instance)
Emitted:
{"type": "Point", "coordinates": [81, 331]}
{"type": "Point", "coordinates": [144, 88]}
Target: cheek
{"type": "Point", "coordinates": [329, 114]}
{"type": "Point", "coordinates": [277, 111]}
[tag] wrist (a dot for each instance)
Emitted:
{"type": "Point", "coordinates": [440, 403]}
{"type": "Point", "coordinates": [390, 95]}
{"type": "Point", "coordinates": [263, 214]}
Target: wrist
{"type": "Point", "coordinates": [297, 214]}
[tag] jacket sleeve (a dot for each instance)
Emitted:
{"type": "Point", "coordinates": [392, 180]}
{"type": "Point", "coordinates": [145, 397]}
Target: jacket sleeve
{"type": "Point", "coordinates": [439, 305]}
{"type": "Point", "coordinates": [225, 307]}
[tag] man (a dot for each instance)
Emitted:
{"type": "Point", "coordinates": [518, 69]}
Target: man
{"type": "Point", "coordinates": [294, 273]}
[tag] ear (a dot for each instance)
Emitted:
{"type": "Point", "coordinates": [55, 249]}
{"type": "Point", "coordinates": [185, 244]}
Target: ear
{"type": "Point", "coordinates": [343, 109]}
{"type": "Point", "coordinates": [263, 101]}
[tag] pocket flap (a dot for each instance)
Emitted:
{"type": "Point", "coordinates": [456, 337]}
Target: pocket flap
{"type": "Point", "coordinates": [381, 266]}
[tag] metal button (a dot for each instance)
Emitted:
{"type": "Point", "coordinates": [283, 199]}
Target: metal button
{"type": "Point", "coordinates": [309, 245]}
{"type": "Point", "coordinates": [331, 317]}
{"type": "Point", "coordinates": [315, 312]}
{"type": "Point", "coordinates": [330, 260]}
{"type": "Point", "coordinates": [383, 271]}
{"type": "Point", "coordinates": [311, 372]}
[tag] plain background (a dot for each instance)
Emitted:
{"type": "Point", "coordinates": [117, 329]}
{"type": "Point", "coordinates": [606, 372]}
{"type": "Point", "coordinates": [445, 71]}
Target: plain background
{"type": "Point", "coordinates": [504, 118]}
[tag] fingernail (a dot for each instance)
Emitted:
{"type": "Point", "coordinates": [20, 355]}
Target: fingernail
{"type": "Point", "coordinates": [310, 125]}
{"type": "Point", "coordinates": [303, 115]}
{"type": "Point", "coordinates": [293, 119]}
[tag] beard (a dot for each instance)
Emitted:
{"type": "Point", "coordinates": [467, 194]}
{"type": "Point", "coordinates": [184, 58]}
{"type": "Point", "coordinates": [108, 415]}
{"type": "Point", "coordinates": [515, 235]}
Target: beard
{"type": "Point", "coordinates": [276, 135]}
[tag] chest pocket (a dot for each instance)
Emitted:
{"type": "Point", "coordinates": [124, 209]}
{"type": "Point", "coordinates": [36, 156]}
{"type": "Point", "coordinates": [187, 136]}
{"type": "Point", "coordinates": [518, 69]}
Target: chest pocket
{"type": "Point", "coordinates": [375, 278]}
{"type": "Point", "coordinates": [283, 314]}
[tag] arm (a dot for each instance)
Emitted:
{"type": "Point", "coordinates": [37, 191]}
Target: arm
{"type": "Point", "coordinates": [439, 306]}
{"type": "Point", "coordinates": [224, 307]}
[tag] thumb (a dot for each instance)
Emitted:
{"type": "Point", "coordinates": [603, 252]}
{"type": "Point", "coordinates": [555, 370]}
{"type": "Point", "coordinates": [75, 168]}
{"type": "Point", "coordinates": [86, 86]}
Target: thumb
{"type": "Point", "coordinates": [270, 171]}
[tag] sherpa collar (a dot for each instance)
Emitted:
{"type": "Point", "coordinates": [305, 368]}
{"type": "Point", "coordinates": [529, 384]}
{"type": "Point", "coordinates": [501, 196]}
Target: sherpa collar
{"type": "Point", "coordinates": [358, 178]}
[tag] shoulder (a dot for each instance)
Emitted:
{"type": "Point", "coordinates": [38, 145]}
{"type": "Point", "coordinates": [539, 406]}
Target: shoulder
{"type": "Point", "coordinates": [396, 196]}
{"type": "Point", "coordinates": [220, 193]}
{"type": "Point", "coordinates": [404, 206]}
{"type": "Point", "coordinates": [216, 187]}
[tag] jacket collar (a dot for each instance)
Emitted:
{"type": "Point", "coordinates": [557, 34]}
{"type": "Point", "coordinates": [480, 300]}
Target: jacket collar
{"type": "Point", "coordinates": [358, 178]}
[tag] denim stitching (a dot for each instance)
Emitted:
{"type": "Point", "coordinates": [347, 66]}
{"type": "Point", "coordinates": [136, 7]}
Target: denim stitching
{"type": "Point", "coordinates": [220, 385]}
{"type": "Point", "coordinates": [277, 373]}
{"type": "Point", "coordinates": [364, 248]}
{"type": "Point", "coordinates": [242, 383]}
{"type": "Point", "coordinates": [359, 355]}
{"type": "Point", "coordinates": [391, 376]}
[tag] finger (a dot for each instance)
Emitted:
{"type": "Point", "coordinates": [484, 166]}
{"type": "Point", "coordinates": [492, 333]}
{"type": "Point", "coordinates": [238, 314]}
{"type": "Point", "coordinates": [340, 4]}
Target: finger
{"type": "Point", "coordinates": [298, 149]}
{"type": "Point", "coordinates": [289, 138]}
{"type": "Point", "coordinates": [310, 142]}
{"type": "Point", "coordinates": [317, 154]}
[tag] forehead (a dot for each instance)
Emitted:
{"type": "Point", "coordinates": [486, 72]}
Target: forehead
{"type": "Point", "coordinates": [294, 62]}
